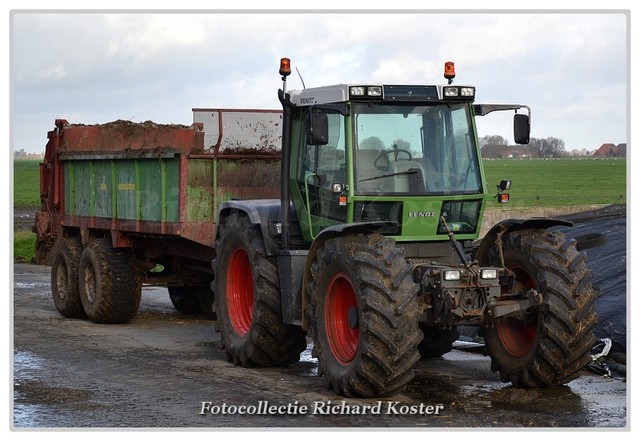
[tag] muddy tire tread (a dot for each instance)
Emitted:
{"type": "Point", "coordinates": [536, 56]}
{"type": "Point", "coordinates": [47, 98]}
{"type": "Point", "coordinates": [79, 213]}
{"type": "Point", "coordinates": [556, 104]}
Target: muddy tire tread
{"type": "Point", "coordinates": [567, 317]}
{"type": "Point", "coordinates": [389, 316]}
{"type": "Point", "coordinates": [118, 288]}
{"type": "Point", "coordinates": [270, 342]}
{"type": "Point", "coordinates": [67, 252]}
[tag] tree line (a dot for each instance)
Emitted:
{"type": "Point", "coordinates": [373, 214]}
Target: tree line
{"type": "Point", "coordinates": [495, 146]}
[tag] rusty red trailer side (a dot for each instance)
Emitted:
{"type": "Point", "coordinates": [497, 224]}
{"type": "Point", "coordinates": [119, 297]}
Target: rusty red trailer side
{"type": "Point", "coordinates": [125, 204]}
{"type": "Point", "coordinates": [135, 181]}
{"type": "Point", "coordinates": [147, 185]}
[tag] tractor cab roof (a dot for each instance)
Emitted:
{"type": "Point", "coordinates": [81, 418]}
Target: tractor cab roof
{"type": "Point", "coordinates": [342, 93]}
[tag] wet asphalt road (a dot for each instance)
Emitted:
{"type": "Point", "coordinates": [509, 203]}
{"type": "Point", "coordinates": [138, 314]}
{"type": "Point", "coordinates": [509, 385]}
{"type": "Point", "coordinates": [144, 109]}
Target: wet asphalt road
{"type": "Point", "coordinates": [162, 369]}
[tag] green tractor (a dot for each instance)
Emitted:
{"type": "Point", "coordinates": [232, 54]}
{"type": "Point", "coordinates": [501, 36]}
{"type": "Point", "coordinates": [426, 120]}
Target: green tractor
{"type": "Point", "coordinates": [372, 249]}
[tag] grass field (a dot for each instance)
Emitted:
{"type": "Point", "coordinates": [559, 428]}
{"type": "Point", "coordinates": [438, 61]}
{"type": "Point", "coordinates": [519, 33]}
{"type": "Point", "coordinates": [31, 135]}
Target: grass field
{"type": "Point", "coordinates": [560, 182]}
{"type": "Point", "coordinates": [26, 183]}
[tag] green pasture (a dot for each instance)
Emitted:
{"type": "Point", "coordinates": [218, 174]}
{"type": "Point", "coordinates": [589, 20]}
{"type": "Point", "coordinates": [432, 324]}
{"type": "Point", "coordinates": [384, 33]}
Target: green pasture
{"type": "Point", "coordinates": [26, 183]}
{"type": "Point", "coordinates": [560, 182]}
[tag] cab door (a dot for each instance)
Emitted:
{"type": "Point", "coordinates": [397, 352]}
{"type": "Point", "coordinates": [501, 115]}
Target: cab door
{"type": "Point", "coordinates": [322, 170]}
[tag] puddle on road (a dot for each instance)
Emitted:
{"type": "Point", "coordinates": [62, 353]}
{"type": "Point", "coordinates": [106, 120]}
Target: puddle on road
{"type": "Point", "coordinates": [22, 285]}
{"type": "Point", "coordinates": [308, 364]}
{"type": "Point", "coordinates": [586, 402]}
{"type": "Point", "coordinates": [25, 361]}
{"type": "Point", "coordinates": [36, 403]}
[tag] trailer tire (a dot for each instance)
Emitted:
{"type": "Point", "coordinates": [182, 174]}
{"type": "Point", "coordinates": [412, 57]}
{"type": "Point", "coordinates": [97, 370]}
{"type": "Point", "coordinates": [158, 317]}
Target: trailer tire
{"type": "Point", "coordinates": [110, 286]}
{"type": "Point", "coordinates": [184, 299]}
{"type": "Point", "coordinates": [550, 346]}
{"type": "Point", "coordinates": [64, 277]}
{"type": "Point", "coordinates": [437, 341]}
{"type": "Point", "coordinates": [363, 316]}
{"type": "Point", "coordinates": [248, 302]}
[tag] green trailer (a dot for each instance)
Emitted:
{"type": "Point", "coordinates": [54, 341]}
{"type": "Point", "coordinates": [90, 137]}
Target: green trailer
{"type": "Point", "coordinates": [147, 193]}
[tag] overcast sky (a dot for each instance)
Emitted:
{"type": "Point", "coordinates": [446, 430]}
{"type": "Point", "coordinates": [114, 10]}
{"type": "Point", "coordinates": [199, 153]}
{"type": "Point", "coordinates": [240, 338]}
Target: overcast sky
{"type": "Point", "coordinates": [570, 68]}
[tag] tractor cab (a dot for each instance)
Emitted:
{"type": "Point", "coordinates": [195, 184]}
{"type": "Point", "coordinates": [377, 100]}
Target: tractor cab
{"type": "Point", "coordinates": [406, 155]}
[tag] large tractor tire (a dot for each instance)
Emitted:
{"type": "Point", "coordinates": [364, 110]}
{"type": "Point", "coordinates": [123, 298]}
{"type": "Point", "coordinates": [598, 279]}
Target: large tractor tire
{"type": "Point", "coordinates": [550, 345]}
{"type": "Point", "coordinates": [184, 299]}
{"type": "Point", "coordinates": [437, 341]}
{"type": "Point", "coordinates": [363, 316]}
{"type": "Point", "coordinates": [64, 277]}
{"type": "Point", "coordinates": [110, 287]}
{"type": "Point", "coordinates": [247, 300]}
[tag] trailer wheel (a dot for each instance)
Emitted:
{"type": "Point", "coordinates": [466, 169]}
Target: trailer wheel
{"type": "Point", "coordinates": [364, 316]}
{"type": "Point", "coordinates": [64, 277]}
{"type": "Point", "coordinates": [247, 299]}
{"type": "Point", "coordinates": [109, 284]}
{"type": "Point", "coordinates": [184, 299]}
{"type": "Point", "coordinates": [436, 341]}
{"type": "Point", "coordinates": [549, 346]}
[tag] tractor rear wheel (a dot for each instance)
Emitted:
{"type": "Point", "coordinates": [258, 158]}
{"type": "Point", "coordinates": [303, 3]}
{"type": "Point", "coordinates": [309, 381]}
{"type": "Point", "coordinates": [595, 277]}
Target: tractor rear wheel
{"type": "Point", "coordinates": [550, 345]}
{"type": "Point", "coordinates": [437, 341]}
{"type": "Point", "coordinates": [110, 287]}
{"type": "Point", "coordinates": [184, 299]}
{"type": "Point", "coordinates": [64, 277]}
{"type": "Point", "coordinates": [364, 316]}
{"type": "Point", "coordinates": [247, 299]}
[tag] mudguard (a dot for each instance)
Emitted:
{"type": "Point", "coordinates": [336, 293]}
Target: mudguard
{"type": "Point", "coordinates": [261, 212]}
{"type": "Point", "coordinates": [336, 231]}
{"type": "Point", "coordinates": [509, 225]}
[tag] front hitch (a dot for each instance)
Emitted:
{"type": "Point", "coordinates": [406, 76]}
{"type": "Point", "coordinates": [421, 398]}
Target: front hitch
{"type": "Point", "coordinates": [512, 307]}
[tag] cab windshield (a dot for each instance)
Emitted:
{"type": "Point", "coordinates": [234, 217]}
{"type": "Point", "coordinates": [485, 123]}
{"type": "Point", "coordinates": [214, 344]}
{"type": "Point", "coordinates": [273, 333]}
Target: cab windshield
{"type": "Point", "coordinates": [416, 150]}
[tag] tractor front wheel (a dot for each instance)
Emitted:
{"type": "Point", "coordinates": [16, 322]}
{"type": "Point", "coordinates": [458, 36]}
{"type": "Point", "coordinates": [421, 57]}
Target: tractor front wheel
{"type": "Point", "coordinates": [547, 346]}
{"type": "Point", "coordinates": [364, 316]}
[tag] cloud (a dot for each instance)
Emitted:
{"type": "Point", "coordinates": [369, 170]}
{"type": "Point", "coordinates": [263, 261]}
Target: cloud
{"type": "Point", "coordinates": [100, 67]}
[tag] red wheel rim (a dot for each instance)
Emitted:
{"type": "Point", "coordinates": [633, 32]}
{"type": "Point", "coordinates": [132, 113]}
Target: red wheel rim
{"type": "Point", "coordinates": [343, 338]}
{"type": "Point", "coordinates": [516, 336]}
{"type": "Point", "coordinates": [240, 292]}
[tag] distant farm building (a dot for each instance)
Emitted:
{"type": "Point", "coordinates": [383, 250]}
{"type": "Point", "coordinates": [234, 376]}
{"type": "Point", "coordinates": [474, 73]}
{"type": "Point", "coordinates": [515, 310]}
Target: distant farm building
{"type": "Point", "coordinates": [516, 152]}
{"type": "Point", "coordinates": [611, 150]}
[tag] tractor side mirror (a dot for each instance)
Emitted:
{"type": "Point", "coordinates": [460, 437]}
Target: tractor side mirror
{"type": "Point", "coordinates": [504, 185]}
{"type": "Point", "coordinates": [317, 129]}
{"type": "Point", "coordinates": [521, 128]}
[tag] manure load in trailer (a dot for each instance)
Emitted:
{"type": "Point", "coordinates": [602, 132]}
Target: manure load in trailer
{"type": "Point", "coordinates": [237, 132]}
{"type": "Point", "coordinates": [246, 146]}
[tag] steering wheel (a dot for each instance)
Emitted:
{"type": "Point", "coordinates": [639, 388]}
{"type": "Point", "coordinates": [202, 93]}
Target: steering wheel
{"type": "Point", "coordinates": [385, 155]}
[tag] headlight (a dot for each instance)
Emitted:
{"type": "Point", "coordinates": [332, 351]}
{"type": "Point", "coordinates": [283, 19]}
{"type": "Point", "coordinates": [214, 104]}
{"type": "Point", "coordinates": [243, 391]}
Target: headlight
{"type": "Point", "coordinates": [452, 275]}
{"type": "Point", "coordinates": [459, 92]}
{"type": "Point", "coordinates": [488, 274]}
{"type": "Point", "coordinates": [374, 90]}
{"type": "Point", "coordinates": [467, 91]}
{"type": "Point", "coordinates": [451, 91]}
{"type": "Point", "coordinates": [369, 91]}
